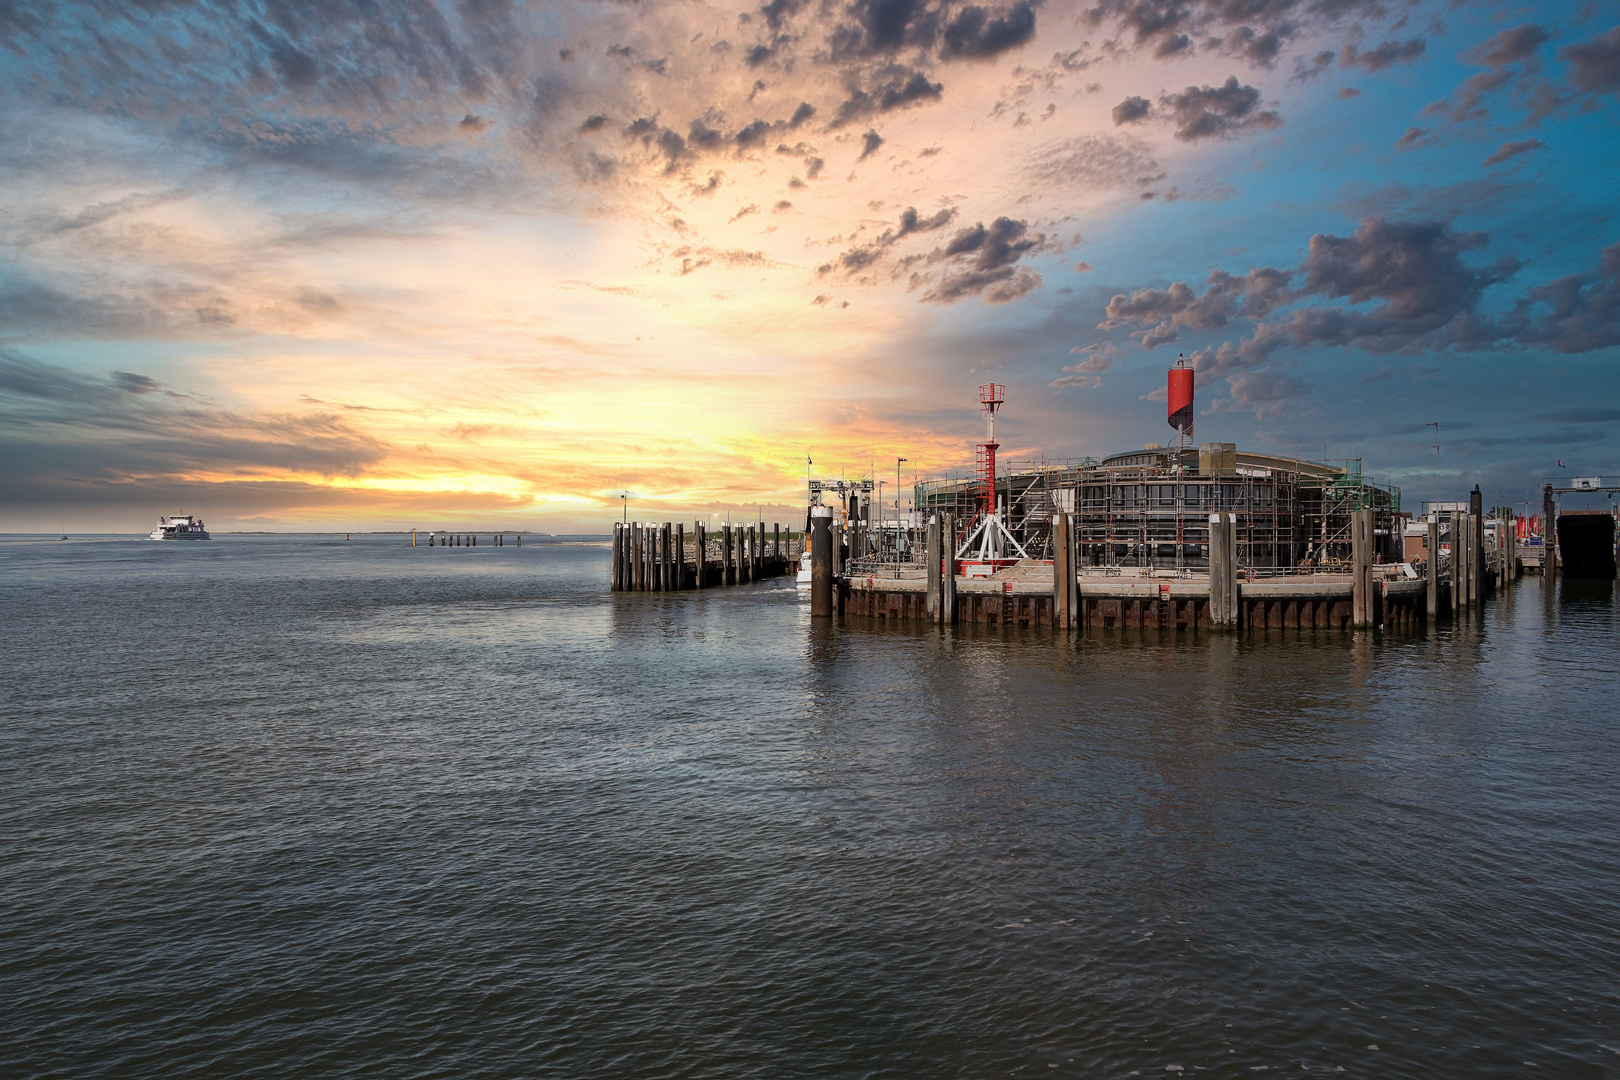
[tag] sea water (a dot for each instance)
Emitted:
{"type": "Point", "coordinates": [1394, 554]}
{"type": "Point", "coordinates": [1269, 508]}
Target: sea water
{"type": "Point", "coordinates": [276, 806]}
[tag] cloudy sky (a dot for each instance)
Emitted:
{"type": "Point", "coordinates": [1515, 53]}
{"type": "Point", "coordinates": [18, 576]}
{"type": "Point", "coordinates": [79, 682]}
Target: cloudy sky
{"type": "Point", "coordinates": [340, 264]}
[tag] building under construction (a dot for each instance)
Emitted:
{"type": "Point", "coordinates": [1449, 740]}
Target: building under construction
{"type": "Point", "coordinates": [1150, 508]}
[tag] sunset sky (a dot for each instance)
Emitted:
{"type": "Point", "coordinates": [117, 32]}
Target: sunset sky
{"type": "Point", "coordinates": [486, 264]}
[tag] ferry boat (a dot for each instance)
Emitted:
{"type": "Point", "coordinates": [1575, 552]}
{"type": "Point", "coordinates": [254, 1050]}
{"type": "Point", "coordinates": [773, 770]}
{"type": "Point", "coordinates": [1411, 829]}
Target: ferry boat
{"type": "Point", "coordinates": [180, 527]}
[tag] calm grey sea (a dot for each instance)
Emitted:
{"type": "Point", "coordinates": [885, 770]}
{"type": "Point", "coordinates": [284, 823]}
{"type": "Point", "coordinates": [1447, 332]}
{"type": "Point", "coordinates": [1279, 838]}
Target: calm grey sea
{"type": "Point", "coordinates": [277, 806]}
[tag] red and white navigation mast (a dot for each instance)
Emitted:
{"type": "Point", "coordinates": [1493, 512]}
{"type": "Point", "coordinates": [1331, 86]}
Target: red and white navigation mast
{"type": "Point", "coordinates": [989, 545]}
{"type": "Point", "coordinates": [991, 398]}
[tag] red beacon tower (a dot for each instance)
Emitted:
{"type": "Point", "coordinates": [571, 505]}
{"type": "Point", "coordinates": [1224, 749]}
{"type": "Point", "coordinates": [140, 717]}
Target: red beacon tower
{"type": "Point", "coordinates": [1180, 402]}
{"type": "Point", "coordinates": [991, 397]}
{"type": "Point", "coordinates": [989, 545]}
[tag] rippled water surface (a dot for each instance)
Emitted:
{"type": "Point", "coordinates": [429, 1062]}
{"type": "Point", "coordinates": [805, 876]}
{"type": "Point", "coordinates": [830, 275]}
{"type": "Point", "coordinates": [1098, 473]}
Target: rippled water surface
{"type": "Point", "coordinates": [294, 806]}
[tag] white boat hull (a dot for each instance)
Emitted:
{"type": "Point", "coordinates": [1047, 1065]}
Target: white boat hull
{"type": "Point", "coordinates": [179, 527]}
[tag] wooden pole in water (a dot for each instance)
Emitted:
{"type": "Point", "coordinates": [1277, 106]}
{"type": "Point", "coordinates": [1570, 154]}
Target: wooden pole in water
{"type": "Point", "coordinates": [1060, 571]}
{"type": "Point", "coordinates": [725, 556]}
{"type": "Point", "coordinates": [1549, 536]}
{"type": "Point", "coordinates": [613, 564]}
{"type": "Point", "coordinates": [1431, 573]}
{"type": "Point", "coordinates": [1359, 605]}
{"type": "Point", "coordinates": [931, 595]}
{"type": "Point", "coordinates": [680, 555]}
{"type": "Point", "coordinates": [821, 578]}
{"type": "Point", "coordinates": [645, 548]}
{"type": "Point", "coordinates": [947, 580]}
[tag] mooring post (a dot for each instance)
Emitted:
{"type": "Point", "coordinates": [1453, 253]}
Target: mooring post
{"type": "Point", "coordinates": [633, 554]}
{"type": "Point", "coordinates": [1359, 600]}
{"type": "Point", "coordinates": [1549, 536]}
{"type": "Point", "coordinates": [1220, 572]}
{"type": "Point", "coordinates": [1060, 571]}
{"type": "Point", "coordinates": [677, 555]}
{"type": "Point", "coordinates": [1460, 533]}
{"type": "Point", "coordinates": [1476, 557]}
{"type": "Point", "coordinates": [932, 558]}
{"type": "Point", "coordinates": [1431, 573]}
{"type": "Point", "coordinates": [947, 572]}
{"type": "Point", "coordinates": [821, 579]}
{"type": "Point", "coordinates": [1452, 527]}
{"type": "Point", "coordinates": [618, 570]}
{"type": "Point", "coordinates": [1507, 554]}
{"type": "Point", "coordinates": [700, 540]}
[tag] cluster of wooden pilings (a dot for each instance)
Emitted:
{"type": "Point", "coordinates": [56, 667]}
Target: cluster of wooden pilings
{"type": "Point", "coordinates": [461, 540]}
{"type": "Point", "coordinates": [1061, 595]}
{"type": "Point", "coordinates": [663, 557]}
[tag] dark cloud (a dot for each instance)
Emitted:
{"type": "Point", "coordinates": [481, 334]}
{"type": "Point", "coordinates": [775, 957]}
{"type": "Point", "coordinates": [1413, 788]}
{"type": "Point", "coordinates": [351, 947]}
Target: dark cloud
{"type": "Point", "coordinates": [869, 144]}
{"type": "Point", "coordinates": [982, 261]}
{"type": "Point", "coordinates": [1306, 69]}
{"type": "Point", "coordinates": [1385, 55]}
{"type": "Point", "coordinates": [1164, 312]}
{"type": "Point", "coordinates": [974, 32]}
{"type": "Point", "coordinates": [1132, 110]}
{"type": "Point", "coordinates": [474, 124]}
{"type": "Point", "coordinates": [863, 256]}
{"type": "Point", "coordinates": [1256, 32]}
{"type": "Point", "coordinates": [1413, 136]}
{"type": "Point", "coordinates": [1582, 310]}
{"type": "Point", "coordinates": [66, 429]}
{"type": "Point", "coordinates": [296, 68]}
{"type": "Point", "coordinates": [1467, 102]}
{"type": "Point", "coordinates": [889, 88]}
{"type": "Point", "coordinates": [1514, 149]}
{"type": "Point", "coordinates": [1225, 111]}
{"type": "Point", "coordinates": [1404, 284]}
{"type": "Point", "coordinates": [1594, 66]}
{"type": "Point", "coordinates": [1509, 46]}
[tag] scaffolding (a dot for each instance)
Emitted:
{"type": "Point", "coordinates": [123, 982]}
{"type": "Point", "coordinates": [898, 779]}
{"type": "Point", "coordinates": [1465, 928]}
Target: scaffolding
{"type": "Point", "coordinates": [1150, 509]}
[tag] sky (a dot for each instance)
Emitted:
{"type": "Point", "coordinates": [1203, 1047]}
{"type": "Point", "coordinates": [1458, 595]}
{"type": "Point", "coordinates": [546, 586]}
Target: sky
{"type": "Point", "coordinates": [495, 265]}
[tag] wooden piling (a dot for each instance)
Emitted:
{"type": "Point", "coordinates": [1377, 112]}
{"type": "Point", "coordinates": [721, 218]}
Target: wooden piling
{"type": "Point", "coordinates": [934, 559]}
{"type": "Point", "coordinates": [1431, 574]}
{"type": "Point", "coordinates": [1453, 575]}
{"type": "Point", "coordinates": [947, 580]}
{"type": "Point", "coordinates": [700, 554]}
{"type": "Point", "coordinates": [1360, 600]}
{"type": "Point", "coordinates": [613, 573]}
{"type": "Point", "coordinates": [680, 555]}
{"type": "Point", "coordinates": [1223, 609]}
{"type": "Point", "coordinates": [1061, 572]}
{"type": "Point", "coordinates": [1549, 536]}
{"type": "Point", "coordinates": [821, 578]}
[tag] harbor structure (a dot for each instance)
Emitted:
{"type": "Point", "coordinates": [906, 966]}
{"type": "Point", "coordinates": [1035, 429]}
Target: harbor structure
{"type": "Point", "coordinates": [1185, 536]}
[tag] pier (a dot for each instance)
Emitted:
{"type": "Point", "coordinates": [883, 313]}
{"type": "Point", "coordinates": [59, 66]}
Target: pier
{"type": "Point", "coordinates": [664, 557]}
{"type": "Point", "coordinates": [1188, 537]}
